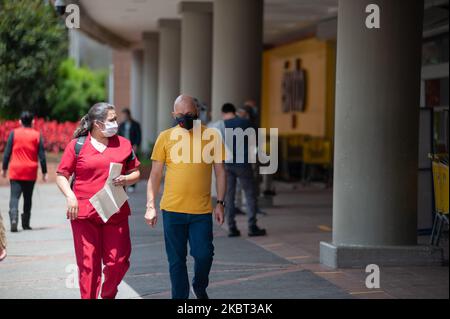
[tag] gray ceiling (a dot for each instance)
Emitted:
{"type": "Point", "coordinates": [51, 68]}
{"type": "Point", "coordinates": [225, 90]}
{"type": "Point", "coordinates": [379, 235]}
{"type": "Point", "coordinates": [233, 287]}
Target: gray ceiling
{"type": "Point", "coordinates": [129, 18]}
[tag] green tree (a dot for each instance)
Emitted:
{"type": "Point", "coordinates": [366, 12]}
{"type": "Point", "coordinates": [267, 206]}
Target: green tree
{"type": "Point", "coordinates": [33, 41]}
{"type": "Point", "coordinates": [76, 90]}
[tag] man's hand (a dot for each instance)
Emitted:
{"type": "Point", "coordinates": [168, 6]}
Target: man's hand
{"type": "Point", "coordinates": [151, 216]}
{"type": "Point", "coordinates": [45, 177]}
{"type": "Point", "coordinates": [72, 207]}
{"type": "Point", "coordinates": [3, 173]}
{"type": "Point", "coordinates": [219, 214]}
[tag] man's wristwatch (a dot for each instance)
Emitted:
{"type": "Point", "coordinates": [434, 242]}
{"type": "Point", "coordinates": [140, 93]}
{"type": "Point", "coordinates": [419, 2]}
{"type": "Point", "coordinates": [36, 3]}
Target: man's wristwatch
{"type": "Point", "coordinates": [221, 202]}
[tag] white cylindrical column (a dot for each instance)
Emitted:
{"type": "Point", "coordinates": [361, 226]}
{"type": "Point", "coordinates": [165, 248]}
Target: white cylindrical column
{"type": "Point", "coordinates": [137, 64]}
{"type": "Point", "coordinates": [196, 50]}
{"type": "Point", "coordinates": [169, 70]}
{"type": "Point", "coordinates": [150, 89]}
{"type": "Point", "coordinates": [237, 52]}
{"type": "Point", "coordinates": [376, 136]}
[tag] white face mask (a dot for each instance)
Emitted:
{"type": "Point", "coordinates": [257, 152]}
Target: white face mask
{"type": "Point", "coordinates": [111, 129]}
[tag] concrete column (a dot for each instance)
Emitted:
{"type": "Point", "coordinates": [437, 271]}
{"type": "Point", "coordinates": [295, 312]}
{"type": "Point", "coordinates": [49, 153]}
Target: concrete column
{"type": "Point", "coordinates": [237, 52]}
{"type": "Point", "coordinates": [150, 89]}
{"type": "Point", "coordinates": [137, 64]}
{"type": "Point", "coordinates": [196, 49]}
{"type": "Point", "coordinates": [169, 70]}
{"type": "Point", "coordinates": [376, 137]}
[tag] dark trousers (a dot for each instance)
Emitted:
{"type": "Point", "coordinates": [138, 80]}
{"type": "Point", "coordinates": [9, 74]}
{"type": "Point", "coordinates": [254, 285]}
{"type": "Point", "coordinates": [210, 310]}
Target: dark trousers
{"type": "Point", "coordinates": [179, 228]}
{"type": "Point", "coordinates": [17, 188]}
{"type": "Point", "coordinates": [245, 175]}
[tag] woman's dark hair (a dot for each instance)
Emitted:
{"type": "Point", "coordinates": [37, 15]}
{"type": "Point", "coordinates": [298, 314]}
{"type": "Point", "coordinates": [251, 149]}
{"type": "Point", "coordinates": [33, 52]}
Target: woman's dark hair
{"type": "Point", "coordinates": [26, 118]}
{"type": "Point", "coordinates": [98, 112]}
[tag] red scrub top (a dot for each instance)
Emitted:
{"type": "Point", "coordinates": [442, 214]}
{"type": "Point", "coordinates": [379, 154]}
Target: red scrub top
{"type": "Point", "coordinates": [91, 169]}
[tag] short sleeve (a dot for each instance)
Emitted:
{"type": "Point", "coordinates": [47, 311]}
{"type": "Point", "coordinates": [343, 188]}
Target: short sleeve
{"type": "Point", "coordinates": [132, 162]}
{"type": "Point", "coordinates": [68, 161]}
{"type": "Point", "coordinates": [159, 153]}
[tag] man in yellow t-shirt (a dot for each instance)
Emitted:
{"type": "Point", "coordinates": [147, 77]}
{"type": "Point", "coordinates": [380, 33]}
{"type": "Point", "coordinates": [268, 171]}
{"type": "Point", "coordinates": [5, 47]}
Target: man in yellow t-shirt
{"type": "Point", "coordinates": [189, 151]}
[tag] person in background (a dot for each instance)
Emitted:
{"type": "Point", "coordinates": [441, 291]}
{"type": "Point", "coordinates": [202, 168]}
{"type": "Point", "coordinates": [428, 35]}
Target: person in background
{"type": "Point", "coordinates": [24, 148]}
{"type": "Point", "coordinates": [252, 110]}
{"type": "Point", "coordinates": [2, 239]}
{"type": "Point", "coordinates": [203, 112]}
{"type": "Point", "coordinates": [243, 112]}
{"type": "Point", "coordinates": [249, 111]}
{"type": "Point", "coordinates": [242, 172]}
{"type": "Point", "coordinates": [131, 130]}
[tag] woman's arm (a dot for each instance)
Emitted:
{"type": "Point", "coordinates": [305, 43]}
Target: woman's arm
{"type": "Point", "coordinates": [130, 178]}
{"type": "Point", "coordinates": [72, 202]}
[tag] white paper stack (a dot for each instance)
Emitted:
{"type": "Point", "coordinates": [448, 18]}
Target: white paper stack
{"type": "Point", "coordinates": [110, 198]}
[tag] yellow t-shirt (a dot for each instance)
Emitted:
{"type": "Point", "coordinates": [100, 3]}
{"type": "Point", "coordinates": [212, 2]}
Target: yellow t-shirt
{"type": "Point", "coordinates": [188, 158]}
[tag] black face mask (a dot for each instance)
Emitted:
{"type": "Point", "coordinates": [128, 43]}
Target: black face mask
{"type": "Point", "coordinates": [186, 121]}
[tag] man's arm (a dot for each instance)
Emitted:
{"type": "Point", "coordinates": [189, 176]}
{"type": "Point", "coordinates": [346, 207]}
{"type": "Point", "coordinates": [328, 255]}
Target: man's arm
{"type": "Point", "coordinates": [154, 183]}
{"type": "Point", "coordinates": [7, 153]}
{"type": "Point", "coordinates": [221, 185]}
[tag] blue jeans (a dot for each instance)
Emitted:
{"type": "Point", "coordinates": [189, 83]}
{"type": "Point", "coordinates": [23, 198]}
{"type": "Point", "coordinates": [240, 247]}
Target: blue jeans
{"type": "Point", "coordinates": [179, 228]}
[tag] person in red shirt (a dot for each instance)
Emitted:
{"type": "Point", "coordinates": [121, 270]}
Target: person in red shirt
{"type": "Point", "coordinates": [23, 149]}
{"type": "Point", "coordinates": [95, 241]}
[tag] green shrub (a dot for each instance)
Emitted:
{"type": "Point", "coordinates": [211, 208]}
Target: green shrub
{"type": "Point", "coordinates": [76, 90]}
{"type": "Point", "coordinates": [33, 42]}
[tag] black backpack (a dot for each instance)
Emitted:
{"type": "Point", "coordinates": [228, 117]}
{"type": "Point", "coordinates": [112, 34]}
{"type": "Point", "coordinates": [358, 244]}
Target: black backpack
{"type": "Point", "coordinates": [78, 145]}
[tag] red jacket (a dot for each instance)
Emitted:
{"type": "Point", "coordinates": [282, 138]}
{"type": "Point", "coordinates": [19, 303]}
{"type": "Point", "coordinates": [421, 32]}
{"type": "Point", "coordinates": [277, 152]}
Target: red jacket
{"type": "Point", "coordinates": [23, 149]}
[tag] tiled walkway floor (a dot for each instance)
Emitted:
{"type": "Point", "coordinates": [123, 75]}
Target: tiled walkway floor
{"type": "Point", "coordinates": [282, 265]}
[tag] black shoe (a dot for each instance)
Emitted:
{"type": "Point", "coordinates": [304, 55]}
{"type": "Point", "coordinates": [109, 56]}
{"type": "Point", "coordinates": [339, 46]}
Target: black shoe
{"type": "Point", "coordinates": [234, 232]}
{"type": "Point", "coordinates": [14, 227]}
{"type": "Point", "coordinates": [26, 222]}
{"type": "Point", "coordinates": [269, 193]}
{"type": "Point", "coordinates": [199, 295]}
{"type": "Point", "coordinates": [256, 231]}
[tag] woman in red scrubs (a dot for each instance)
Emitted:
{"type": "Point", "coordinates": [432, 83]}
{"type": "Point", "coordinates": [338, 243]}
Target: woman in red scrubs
{"type": "Point", "coordinates": [98, 243]}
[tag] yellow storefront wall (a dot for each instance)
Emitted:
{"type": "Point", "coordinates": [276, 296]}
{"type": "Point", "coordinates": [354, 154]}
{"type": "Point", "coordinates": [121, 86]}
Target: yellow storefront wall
{"type": "Point", "coordinates": [318, 61]}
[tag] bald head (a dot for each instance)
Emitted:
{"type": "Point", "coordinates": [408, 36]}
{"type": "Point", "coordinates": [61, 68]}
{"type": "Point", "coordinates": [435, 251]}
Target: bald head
{"type": "Point", "coordinates": [185, 104]}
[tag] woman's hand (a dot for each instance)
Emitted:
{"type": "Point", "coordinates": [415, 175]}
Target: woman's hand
{"type": "Point", "coordinates": [72, 207]}
{"type": "Point", "coordinates": [151, 216]}
{"type": "Point", "coordinates": [120, 180]}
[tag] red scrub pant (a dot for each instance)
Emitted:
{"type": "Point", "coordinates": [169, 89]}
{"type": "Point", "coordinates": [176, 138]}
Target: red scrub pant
{"type": "Point", "coordinates": [96, 243]}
